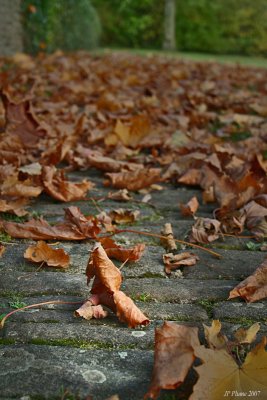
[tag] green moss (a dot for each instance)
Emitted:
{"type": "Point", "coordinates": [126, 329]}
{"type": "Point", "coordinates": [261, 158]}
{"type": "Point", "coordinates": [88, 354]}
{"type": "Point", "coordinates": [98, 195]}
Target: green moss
{"type": "Point", "coordinates": [244, 321]}
{"type": "Point", "coordinates": [4, 237]}
{"type": "Point", "coordinates": [12, 217]}
{"type": "Point", "coordinates": [7, 341]}
{"type": "Point", "coordinates": [81, 344]}
{"type": "Point", "coordinates": [207, 305]}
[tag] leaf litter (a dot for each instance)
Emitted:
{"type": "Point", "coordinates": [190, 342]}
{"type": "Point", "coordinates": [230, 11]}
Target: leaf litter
{"type": "Point", "coordinates": [181, 126]}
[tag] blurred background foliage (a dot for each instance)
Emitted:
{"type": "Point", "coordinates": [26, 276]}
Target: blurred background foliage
{"type": "Point", "coordinates": [210, 26]}
{"type": "Point", "coordinates": [60, 24]}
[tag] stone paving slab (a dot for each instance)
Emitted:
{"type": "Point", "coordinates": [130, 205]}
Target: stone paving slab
{"type": "Point", "coordinates": [47, 349]}
{"type": "Point", "coordinates": [85, 372]}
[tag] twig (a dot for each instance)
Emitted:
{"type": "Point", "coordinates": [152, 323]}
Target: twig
{"type": "Point", "coordinates": [166, 237]}
{"type": "Point", "coordinates": [37, 305]}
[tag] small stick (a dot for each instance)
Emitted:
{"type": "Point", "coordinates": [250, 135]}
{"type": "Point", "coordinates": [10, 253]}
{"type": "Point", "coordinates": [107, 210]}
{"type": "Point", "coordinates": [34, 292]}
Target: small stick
{"type": "Point", "coordinates": [2, 323]}
{"type": "Point", "coordinates": [166, 237]}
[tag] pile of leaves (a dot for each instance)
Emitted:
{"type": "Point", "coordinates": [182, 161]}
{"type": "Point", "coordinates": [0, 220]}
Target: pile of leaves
{"type": "Point", "coordinates": [142, 122]}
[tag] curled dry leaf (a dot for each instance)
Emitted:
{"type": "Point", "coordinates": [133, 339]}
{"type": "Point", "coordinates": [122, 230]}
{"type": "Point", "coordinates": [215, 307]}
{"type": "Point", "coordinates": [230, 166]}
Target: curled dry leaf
{"type": "Point", "coordinates": [190, 208]}
{"type": "Point", "coordinates": [168, 243]}
{"type": "Point", "coordinates": [220, 374]}
{"type": "Point", "coordinates": [205, 230]}
{"type": "Point", "coordinates": [173, 261]}
{"type": "Point", "coordinates": [42, 252]}
{"type": "Point", "coordinates": [89, 311]}
{"type": "Point", "coordinates": [254, 287]}
{"type": "Point", "coordinates": [57, 187]}
{"type": "Point", "coordinates": [120, 253]}
{"type": "Point", "coordinates": [106, 285]}
{"type": "Point", "coordinates": [14, 207]}
{"type": "Point", "coordinates": [173, 357]}
{"type": "Point", "coordinates": [127, 311]}
{"type": "Point", "coordinates": [101, 267]}
{"type": "Point", "coordinates": [75, 227]}
{"type": "Point", "coordinates": [123, 216]}
{"type": "Point", "coordinates": [256, 216]}
{"type": "Point", "coordinates": [12, 186]}
{"type": "Point", "coordinates": [134, 180]}
{"type": "Point", "coordinates": [120, 195]}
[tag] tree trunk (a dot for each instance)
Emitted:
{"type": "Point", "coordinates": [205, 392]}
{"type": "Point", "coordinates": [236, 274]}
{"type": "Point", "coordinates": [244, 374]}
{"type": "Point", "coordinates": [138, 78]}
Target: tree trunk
{"type": "Point", "coordinates": [10, 27]}
{"type": "Point", "coordinates": [169, 25]}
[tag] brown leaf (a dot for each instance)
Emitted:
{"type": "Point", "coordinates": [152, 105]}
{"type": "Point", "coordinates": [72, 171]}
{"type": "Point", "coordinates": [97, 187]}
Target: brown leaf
{"type": "Point", "coordinates": [124, 216]}
{"type": "Point", "coordinates": [101, 267]}
{"type": "Point", "coordinates": [14, 207]}
{"type": "Point", "coordinates": [42, 252]}
{"type": "Point", "coordinates": [127, 311]}
{"type": "Point", "coordinates": [172, 261]}
{"type": "Point", "coordinates": [75, 227]}
{"type": "Point", "coordinates": [22, 122]}
{"type": "Point", "coordinates": [121, 254]}
{"type": "Point", "coordinates": [135, 180]}
{"type": "Point", "coordinates": [168, 243]}
{"type": "Point", "coordinates": [190, 208]}
{"type": "Point", "coordinates": [254, 287]}
{"type": "Point", "coordinates": [88, 311]}
{"type": "Point", "coordinates": [12, 186]}
{"type": "Point", "coordinates": [205, 230]}
{"type": "Point", "coordinates": [120, 195]}
{"type": "Point", "coordinates": [57, 187]}
{"type": "Point", "coordinates": [132, 135]}
{"type": "Point", "coordinates": [173, 357]}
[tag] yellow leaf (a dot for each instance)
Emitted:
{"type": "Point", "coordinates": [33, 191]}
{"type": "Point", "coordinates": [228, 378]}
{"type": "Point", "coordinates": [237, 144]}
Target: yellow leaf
{"type": "Point", "coordinates": [221, 377]}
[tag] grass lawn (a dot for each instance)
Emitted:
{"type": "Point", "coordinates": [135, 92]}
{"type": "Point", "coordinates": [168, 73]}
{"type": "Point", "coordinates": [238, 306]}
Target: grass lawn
{"type": "Point", "coordinates": [232, 59]}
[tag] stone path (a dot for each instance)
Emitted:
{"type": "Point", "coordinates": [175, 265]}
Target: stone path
{"type": "Point", "coordinates": [47, 353]}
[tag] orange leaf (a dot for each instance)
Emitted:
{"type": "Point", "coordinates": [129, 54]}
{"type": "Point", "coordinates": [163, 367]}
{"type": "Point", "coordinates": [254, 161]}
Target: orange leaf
{"type": "Point", "coordinates": [127, 311]}
{"type": "Point", "coordinates": [135, 180]}
{"type": "Point", "coordinates": [42, 252]}
{"type": "Point", "coordinates": [190, 208]}
{"type": "Point", "coordinates": [121, 254]}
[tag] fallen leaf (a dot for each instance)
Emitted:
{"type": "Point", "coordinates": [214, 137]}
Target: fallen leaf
{"type": "Point", "coordinates": [173, 261]}
{"type": "Point", "coordinates": [243, 335]}
{"type": "Point", "coordinates": [168, 243]}
{"type": "Point", "coordinates": [219, 374]}
{"type": "Point", "coordinates": [100, 266]}
{"type": "Point", "coordinates": [14, 187]}
{"type": "Point", "coordinates": [120, 195]}
{"type": "Point", "coordinates": [254, 287]}
{"type": "Point", "coordinates": [135, 180]}
{"type": "Point", "coordinates": [88, 311]}
{"type": "Point", "coordinates": [190, 208]}
{"type": "Point", "coordinates": [127, 311]}
{"type": "Point", "coordinates": [215, 339]}
{"type": "Point", "coordinates": [173, 357]}
{"type": "Point", "coordinates": [205, 230]}
{"type": "Point", "coordinates": [124, 216]}
{"type": "Point", "coordinates": [57, 187]}
{"type": "Point", "coordinates": [120, 253]}
{"type": "Point", "coordinates": [14, 207]}
{"type": "Point", "coordinates": [42, 252]}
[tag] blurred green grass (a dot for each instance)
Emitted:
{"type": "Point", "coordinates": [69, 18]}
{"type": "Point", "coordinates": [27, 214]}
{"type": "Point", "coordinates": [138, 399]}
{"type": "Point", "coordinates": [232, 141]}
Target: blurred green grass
{"type": "Point", "coordinates": [197, 57]}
